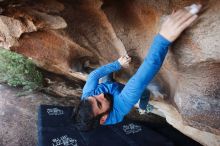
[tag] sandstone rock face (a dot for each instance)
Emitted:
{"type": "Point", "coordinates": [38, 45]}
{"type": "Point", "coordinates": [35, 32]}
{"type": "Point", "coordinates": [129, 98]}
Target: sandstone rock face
{"type": "Point", "coordinates": [11, 29]}
{"type": "Point", "coordinates": [68, 37]}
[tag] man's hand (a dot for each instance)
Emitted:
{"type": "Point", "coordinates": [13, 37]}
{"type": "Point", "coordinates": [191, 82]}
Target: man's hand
{"type": "Point", "coordinates": [178, 21]}
{"type": "Point", "coordinates": [124, 61]}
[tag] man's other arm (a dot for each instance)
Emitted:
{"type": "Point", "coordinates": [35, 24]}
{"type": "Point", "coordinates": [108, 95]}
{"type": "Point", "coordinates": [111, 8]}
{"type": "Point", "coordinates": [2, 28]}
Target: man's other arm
{"type": "Point", "coordinates": [145, 73]}
{"type": "Point", "coordinates": [94, 76]}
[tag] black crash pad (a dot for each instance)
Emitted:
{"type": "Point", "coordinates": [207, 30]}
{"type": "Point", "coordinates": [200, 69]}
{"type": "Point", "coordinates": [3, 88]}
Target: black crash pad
{"type": "Point", "coordinates": [56, 128]}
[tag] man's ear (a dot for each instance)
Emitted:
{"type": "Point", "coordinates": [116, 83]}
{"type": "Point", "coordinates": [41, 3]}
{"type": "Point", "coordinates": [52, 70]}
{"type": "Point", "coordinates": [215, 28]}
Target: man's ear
{"type": "Point", "coordinates": [103, 119]}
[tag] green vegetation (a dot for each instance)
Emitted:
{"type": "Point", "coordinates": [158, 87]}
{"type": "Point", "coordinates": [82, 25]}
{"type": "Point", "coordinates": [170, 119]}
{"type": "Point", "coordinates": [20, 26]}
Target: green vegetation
{"type": "Point", "coordinates": [18, 71]}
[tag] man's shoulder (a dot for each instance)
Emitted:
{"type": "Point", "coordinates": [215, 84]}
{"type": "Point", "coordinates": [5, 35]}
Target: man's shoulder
{"type": "Point", "coordinates": [110, 84]}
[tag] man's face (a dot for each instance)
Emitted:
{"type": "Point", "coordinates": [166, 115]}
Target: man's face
{"type": "Point", "coordinates": [99, 104]}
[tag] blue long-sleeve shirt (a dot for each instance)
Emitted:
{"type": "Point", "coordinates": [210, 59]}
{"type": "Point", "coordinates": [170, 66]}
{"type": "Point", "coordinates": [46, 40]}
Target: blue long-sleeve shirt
{"type": "Point", "coordinates": [126, 96]}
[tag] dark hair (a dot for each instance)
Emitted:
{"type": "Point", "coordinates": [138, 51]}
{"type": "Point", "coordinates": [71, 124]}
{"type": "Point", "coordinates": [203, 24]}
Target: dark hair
{"type": "Point", "coordinates": [85, 118]}
{"type": "Point", "coordinates": [110, 98]}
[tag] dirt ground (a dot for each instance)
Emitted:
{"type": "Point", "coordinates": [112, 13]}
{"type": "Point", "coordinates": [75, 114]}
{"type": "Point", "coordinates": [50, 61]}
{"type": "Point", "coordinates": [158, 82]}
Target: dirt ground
{"type": "Point", "coordinates": [18, 115]}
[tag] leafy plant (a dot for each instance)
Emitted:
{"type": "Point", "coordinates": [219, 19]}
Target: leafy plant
{"type": "Point", "coordinates": [18, 71]}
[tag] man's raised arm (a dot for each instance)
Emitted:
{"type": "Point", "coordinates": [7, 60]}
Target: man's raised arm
{"type": "Point", "coordinates": [170, 30]}
{"type": "Point", "coordinates": [94, 76]}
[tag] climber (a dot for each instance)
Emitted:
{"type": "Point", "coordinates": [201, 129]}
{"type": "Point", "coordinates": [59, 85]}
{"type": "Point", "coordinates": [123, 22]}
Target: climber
{"type": "Point", "coordinates": [107, 103]}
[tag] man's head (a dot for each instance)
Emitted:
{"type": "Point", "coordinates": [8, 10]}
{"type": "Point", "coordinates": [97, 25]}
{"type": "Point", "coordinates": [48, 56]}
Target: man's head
{"type": "Point", "coordinates": [93, 112]}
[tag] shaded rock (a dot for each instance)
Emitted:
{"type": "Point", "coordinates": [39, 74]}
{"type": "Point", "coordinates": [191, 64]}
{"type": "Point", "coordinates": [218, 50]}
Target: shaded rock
{"type": "Point", "coordinates": [89, 27]}
{"type": "Point", "coordinates": [1, 10]}
{"type": "Point", "coordinates": [61, 87]}
{"type": "Point", "coordinates": [40, 19]}
{"type": "Point", "coordinates": [200, 106]}
{"type": "Point", "coordinates": [49, 21]}
{"type": "Point", "coordinates": [48, 6]}
{"type": "Point", "coordinates": [174, 118]}
{"type": "Point", "coordinates": [57, 53]}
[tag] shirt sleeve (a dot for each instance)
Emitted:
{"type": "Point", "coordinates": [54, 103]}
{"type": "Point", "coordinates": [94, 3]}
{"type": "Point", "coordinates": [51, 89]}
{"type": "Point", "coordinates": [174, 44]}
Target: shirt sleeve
{"type": "Point", "coordinates": [145, 73]}
{"type": "Point", "coordinates": [94, 76]}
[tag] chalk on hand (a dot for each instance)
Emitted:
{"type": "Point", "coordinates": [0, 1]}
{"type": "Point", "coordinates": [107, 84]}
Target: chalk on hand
{"type": "Point", "coordinates": [194, 8]}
